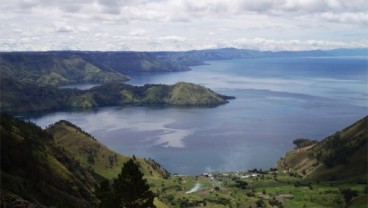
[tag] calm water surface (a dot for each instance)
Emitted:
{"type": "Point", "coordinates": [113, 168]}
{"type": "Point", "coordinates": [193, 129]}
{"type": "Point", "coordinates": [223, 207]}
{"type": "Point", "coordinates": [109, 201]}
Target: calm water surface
{"type": "Point", "coordinates": [278, 100]}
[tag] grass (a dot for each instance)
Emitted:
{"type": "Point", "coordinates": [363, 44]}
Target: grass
{"type": "Point", "coordinates": [92, 154]}
{"type": "Point", "coordinates": [223, 192]}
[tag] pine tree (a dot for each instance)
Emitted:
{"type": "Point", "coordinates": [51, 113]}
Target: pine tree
{"type": "Point", "coordinates": [129, 190]}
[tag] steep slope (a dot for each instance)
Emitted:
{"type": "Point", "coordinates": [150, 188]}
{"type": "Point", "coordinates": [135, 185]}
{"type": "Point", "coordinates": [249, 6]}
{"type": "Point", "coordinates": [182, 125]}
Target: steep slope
{"type": "Point", "coordinates": [55, 68]}
{"type": "Point", "coordinates": [21, 97]}
{"type": "Point", "coordinates": [92, 154]}
{"type": "Point", "coordinates": [340, 156]}
{"type": "Point", "coordinates": [36, 170]}
{"type": "Point", "coordinates": [57, 167]}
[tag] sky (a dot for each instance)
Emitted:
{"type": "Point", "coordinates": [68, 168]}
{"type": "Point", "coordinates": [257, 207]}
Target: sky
{"type": "Point", "coordinates": [179, 25]}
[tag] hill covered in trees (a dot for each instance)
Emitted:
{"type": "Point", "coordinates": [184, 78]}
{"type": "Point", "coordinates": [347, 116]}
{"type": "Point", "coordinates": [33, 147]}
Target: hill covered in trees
{"type": "Point", "coordinates": [68, 67]}
{"type": "Point", "coordinates": [338, 157]}
{"type": "Point", "coordinates": [20, 97]}
{"type": "Point", "coordinates": [61, 166]}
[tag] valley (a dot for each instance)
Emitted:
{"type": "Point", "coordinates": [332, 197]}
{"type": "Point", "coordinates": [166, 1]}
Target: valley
{"type": "Point", "coordinates": [73, 155]}
{"type": "Point", "coordinates": [195, 145]}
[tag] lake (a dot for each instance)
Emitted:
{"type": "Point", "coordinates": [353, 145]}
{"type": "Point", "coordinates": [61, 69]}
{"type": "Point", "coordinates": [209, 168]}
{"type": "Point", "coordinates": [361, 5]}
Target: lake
{"type": "Point", "coordinates": [277, 101]}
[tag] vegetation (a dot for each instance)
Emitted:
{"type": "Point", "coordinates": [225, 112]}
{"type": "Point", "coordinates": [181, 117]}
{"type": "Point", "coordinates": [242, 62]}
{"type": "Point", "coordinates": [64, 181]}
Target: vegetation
{"type": "Point", "coordinates": [41, 98]}
{"type": "Point", "coordinates": [129, 189]}
{"type": "Point", "coordinates": [303, 142]}
{"type": "Point", "coordinates": [60, 166]}
{"type": "Point", "coordinates": [63, 166]}
{"type": "Point", "coordinates": [91, 154]}
{"type": "Point", "coordinates": [53, 68]}
{"type": "Point", "coordinates": [340, 156]}
{"type": "Point", "coordinates": [68, 67]}
{"type": "Point", "coordinates": [36, 170]}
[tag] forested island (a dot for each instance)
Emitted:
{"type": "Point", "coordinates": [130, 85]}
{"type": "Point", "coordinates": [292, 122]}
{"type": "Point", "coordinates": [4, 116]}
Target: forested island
{"type": "Point", "coordinates": [22, 97]}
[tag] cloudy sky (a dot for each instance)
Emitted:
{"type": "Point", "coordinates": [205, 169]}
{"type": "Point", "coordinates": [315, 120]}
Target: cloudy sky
{"type": "Point", "coordinates": [151, 25]}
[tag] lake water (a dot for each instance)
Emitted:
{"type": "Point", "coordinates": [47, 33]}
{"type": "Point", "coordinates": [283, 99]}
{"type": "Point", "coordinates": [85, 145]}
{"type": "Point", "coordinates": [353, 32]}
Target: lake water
{"type": "Point", "coordinates": [277, 100]}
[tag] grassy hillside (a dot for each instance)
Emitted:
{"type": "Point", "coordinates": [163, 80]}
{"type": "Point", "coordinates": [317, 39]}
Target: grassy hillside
{"type": "Point", "coordinates": [52, 68]}
{"type": "Point", "coordinates": [20, 97]}
{"type": "Point", "coordinates": [33, 168]}
{"type": "Point", "coordinates": [93, 155]}
{"type": "Point", "coordinates": [60, 166]}
{"type": "Point", "coordinates": [68, 67]}
{"type": "Point", "coordinates": [340, 156]}
{"type": "Point", "coordinates": [188, 94]}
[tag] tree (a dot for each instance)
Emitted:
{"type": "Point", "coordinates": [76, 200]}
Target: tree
{"type": "Point", "coordinates": [105, 194]}
{"type": "Point", "coordinates": [348, 194]}
{"type": "Point", "coordinates": [129, 189]}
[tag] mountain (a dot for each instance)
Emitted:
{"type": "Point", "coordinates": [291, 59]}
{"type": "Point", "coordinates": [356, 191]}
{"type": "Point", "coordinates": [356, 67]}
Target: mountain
{"type": "Point", "coordinates": [34, 169]}
{"type": "Point", "coordinates": [91, 154]}
{"type": "Point", "coordinates": [132, 62]}
{"type": "Point", "coordinates": [198, 57]}
{"type": "Point", "coordinates": [28, 97]}
{"type": "Point", "coordinates": [342, 156]}
{"type": "Point", "coordinates": [59, 167]}
{"type": "Point", "coordinates": [51, 68]}
{"type": "Point", "coordinates": [68, 67]}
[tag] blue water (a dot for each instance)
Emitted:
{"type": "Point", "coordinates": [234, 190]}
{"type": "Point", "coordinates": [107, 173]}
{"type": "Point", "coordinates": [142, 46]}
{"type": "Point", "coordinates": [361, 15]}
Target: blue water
{"type": "Point", "coordinates": [278, 100]}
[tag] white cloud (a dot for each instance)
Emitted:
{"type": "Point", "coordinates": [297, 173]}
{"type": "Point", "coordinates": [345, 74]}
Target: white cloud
{"type": "Point", "coordinates": [183, 24]}
{"type": "Point", "coordinates": [358, 18]}
{"type": "Point", "coordinates": [64, 28]}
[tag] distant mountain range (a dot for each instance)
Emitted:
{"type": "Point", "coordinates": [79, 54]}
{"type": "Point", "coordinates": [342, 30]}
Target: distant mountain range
{"type": "Point", "coordinates": [69, 67]}
{"type": "Point", "coordinates": [198, 57]}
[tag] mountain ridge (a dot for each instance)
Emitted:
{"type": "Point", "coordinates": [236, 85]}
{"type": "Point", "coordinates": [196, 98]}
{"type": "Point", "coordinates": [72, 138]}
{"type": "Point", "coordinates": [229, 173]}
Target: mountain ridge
{"type": "Point", "coordinates": [339, 156]}
{"type": "Point", "coordinates": [69, 67]}
{"type": "Point", "coordinates": [50, 167]}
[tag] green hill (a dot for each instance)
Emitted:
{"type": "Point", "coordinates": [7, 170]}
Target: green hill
{"type": "Point", "coordinates": [342, 156]}
{"type": "Point", "coordinates": [20, 97]}
{"type": "Point", "coordinates": [50, 68]}
{"type": "Point", "coordinates": [91, 154]}
{"type": "Point", "coordinates": [33, 168]}
{"type": "Point", "coordinates": [60, 166]}
{"type": "Point", "coordinates": [68, 67]}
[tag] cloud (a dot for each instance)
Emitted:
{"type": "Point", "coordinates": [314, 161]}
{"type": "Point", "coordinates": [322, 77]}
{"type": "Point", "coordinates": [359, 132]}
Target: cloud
{"type": "Point", "coordinates": [64, 28]}
{"type": "Point", "coordinates": [138, 32]}
{"type": "Point", "coordinates": [183, 24]}
{"type": "Point", "coordinates": [177, 10]}
{"type": "Point", "coordinates": [358, 18]}
{"type": "Point", "coordinates": [293, 45]}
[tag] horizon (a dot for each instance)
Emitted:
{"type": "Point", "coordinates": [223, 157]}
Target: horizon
{"type": "Point", "coordinates": [182, 25]}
